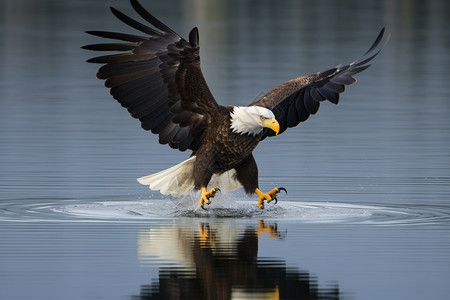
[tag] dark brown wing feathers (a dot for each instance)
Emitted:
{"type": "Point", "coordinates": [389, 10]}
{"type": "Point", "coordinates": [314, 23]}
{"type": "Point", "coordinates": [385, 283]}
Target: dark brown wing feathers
{"type": "Point", "coordinates": [294, 101]}
{"type": "Point", "coordinates": [157, 79]}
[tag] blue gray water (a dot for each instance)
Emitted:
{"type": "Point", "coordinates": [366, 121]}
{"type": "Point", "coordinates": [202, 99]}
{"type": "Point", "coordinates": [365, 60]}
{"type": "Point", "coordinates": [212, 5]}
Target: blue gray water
{"type": "Point", "coordinates": [367, 210]}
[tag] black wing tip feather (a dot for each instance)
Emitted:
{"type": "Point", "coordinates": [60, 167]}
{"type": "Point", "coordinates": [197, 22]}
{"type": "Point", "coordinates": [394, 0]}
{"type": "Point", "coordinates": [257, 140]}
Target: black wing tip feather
{"type": "Point", "coordinates": [360, 64]}
{"type": "Point", "coordinates": [151, 19]}
{"type": "Point", "coordinates": [377, 41]}
{"type": "Point", "coordinates": [193, 37]}
{"type": "Point", "coordinates": [371, 53]}
{"type": "Point", "coordinates": [133, 23]}
{"type": "Point", "coordinates": [115, 11]}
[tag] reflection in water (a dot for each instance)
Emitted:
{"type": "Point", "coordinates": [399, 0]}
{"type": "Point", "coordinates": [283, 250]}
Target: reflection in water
{"type": "Point", "coordinates": [206, 260]}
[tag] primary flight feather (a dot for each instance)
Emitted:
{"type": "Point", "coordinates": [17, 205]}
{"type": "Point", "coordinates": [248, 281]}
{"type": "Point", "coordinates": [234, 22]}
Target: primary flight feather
{"type": "Point", "coordinates": [159, 81]}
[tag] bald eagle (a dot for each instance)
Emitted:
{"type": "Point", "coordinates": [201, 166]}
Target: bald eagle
{"type": "Point", "coordinates": [159, 81]}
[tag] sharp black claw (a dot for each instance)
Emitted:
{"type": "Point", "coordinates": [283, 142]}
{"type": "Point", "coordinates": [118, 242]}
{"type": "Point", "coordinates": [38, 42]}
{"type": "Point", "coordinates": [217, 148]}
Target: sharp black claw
{"type": "Point", "coordinates": [203, 207]}
{"type": "Point", "coordinates": [276, 200]}
{"type": "Point", "coordinates": [282, 189]}
{"type": "Point", "coordinates": [217, 190]}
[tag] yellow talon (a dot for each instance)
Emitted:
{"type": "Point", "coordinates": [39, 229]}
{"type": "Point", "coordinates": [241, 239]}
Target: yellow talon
{"type": "Point", "coordinates": [272, 195]}
{"type": "Point", "coordinates": [206, 195]}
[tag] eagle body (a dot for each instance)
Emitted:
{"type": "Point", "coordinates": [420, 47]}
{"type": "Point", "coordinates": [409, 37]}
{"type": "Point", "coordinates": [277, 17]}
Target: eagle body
{"type": "Point", "coordinates": [157, 77]}
{"type": "Point", "coordinates": [222, 150]}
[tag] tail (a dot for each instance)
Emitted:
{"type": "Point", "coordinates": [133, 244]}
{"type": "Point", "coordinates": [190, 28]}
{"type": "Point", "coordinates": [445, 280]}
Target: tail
{"type": "Point", "coordinates": [178, 180]}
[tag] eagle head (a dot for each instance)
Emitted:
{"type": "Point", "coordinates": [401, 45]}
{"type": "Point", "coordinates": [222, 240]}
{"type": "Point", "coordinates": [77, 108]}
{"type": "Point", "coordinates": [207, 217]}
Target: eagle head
{"type": "Point", "coordinates": [252, 120]}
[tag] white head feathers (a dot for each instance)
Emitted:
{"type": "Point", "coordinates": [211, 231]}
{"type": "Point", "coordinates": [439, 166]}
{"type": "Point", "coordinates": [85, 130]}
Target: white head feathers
{"type": "Point", "coordinates": [249, 119]}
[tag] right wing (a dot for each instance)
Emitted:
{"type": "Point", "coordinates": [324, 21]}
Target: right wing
{"type": "Point", "coordinates": [158, 80]}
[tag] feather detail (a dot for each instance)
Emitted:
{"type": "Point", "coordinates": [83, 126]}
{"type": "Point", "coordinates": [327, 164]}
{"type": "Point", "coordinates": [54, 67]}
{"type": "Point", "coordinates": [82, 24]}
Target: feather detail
{"type": "Point", "coordinates": [178, 180]}
{"type": "Point", "coordinates": [295, 100]}
{"type": "Point", "coordinates": [156, 76]}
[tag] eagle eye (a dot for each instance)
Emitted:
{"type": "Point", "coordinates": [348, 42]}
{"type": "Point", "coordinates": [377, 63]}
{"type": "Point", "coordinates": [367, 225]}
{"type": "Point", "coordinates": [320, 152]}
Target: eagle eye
{"type": "Point", "coordinates": [262, 118]}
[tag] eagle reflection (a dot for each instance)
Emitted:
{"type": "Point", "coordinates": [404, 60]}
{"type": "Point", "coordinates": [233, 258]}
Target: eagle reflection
{"type": "Point", "coordinates": [220, 261]}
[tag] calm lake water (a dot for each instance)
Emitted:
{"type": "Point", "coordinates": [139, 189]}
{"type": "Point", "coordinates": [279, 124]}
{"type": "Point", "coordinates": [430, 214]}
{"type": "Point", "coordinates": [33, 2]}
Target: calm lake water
{"type": "Point", "coordinates": [367, 215]}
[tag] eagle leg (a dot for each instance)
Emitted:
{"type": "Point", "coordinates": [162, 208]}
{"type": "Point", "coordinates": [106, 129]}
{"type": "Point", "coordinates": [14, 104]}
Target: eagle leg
{"type": "Point", "coordinates": [206, 195]}
{"type": "Point", "coordinates": [270, 196]}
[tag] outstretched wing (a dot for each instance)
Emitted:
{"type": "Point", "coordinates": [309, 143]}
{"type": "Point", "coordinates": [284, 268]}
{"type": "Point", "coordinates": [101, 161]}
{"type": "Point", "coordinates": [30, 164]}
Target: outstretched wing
{"type": "Point", "coordinates": [294, 101]}
{"type": "Point", "coordinates": [158, 79]}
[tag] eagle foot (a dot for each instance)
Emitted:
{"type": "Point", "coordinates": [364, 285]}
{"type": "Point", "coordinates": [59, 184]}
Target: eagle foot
{"type": "Point", "coordinates": [270, 196]}
{"type": "Point", "coordinates": [205, 199]}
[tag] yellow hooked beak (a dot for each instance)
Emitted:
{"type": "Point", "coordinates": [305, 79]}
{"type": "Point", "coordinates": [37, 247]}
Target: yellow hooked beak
{"type": "Point", "coordinates": [272, 124]}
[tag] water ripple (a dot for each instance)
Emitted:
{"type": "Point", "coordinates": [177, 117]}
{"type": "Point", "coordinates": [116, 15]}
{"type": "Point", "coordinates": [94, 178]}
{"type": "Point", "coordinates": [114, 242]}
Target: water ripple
{"type": "Point", "coordinates": [122, 210]}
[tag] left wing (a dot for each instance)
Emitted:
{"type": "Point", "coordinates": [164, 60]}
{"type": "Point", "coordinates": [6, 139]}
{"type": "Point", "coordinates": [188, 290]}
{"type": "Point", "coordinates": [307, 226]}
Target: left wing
{"type": "Point", "coordinates": [295, 100]}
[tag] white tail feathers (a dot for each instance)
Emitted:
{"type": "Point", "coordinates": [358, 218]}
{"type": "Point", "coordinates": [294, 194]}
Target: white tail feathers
{"type": "Point", "coordinates": [179, 180]}
{"type": "Point", "coordinates": [175, 181]}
